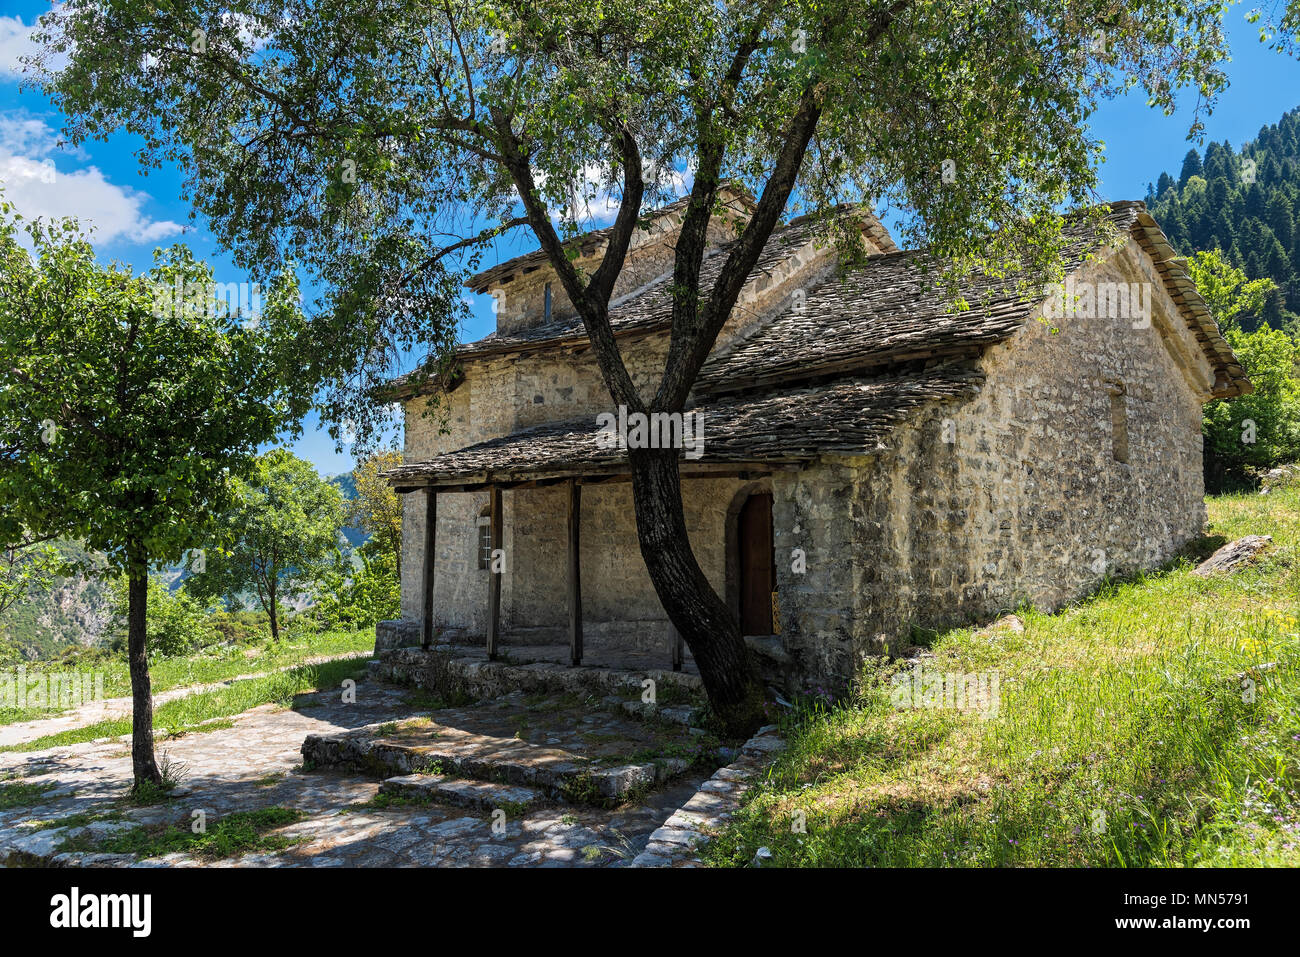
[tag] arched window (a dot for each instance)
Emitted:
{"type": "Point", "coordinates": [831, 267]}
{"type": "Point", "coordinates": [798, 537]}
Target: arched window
{"type": "Point", "coordinates": [485, 537]}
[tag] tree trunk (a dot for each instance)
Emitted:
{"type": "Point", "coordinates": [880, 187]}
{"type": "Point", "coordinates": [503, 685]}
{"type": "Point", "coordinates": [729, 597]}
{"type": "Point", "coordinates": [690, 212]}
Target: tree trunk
{"type": "Point", "coordinates": [708, 627]}
{"type": "Point", "coordinates": [143, 765]}
{"type": "Point", "coordinates": [273, 610]}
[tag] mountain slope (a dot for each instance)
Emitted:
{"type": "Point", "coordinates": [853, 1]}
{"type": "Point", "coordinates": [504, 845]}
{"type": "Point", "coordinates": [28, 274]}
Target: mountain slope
{"type": "Point", "coordinates": [1245, 204]}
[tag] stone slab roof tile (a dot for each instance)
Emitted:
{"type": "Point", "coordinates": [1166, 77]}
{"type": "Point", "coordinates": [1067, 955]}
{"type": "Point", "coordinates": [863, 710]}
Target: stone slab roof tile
{"type": "Point", "coordinates": [889, 310]}
{"type": "Point", "coordinates": [848, 417]}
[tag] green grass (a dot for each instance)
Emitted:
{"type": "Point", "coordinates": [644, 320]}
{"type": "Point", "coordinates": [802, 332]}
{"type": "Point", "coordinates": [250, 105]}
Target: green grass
{"type": "Point", "coordinates": [80, 819]}
{"type": "Point", "coordinates": [208, 710]}
{"type": "Point", "coordinates": [236, 833]}
{"type": "Point", "coordinates": [22, 794]}
{"type": "Point", "coordinates": [1122, 737]}
{"type": "Point", "coordinates": [214, 665]}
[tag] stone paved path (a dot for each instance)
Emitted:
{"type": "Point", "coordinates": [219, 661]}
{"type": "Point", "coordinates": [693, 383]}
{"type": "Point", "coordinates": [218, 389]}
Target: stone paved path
{"type": "Point", "coordinates": [257, 764]}
{"type": "Point", "coordinates": [107, 709]}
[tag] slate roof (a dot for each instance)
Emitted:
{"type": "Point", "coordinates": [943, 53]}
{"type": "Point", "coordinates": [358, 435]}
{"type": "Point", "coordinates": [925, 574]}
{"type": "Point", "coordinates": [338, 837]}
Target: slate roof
{"type": "Point", "coordinates": [890, 311]}
{"type": "Point", "coordinates": [849, 416]}
{"type": "Point", "coordinates": [825, 378]}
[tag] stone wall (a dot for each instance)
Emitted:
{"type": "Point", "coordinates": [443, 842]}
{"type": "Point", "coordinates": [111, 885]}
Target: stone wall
{"type": "Point", "coordinates": [521, 301]}
{"type": "Point", "coordinates": [1016, 496]}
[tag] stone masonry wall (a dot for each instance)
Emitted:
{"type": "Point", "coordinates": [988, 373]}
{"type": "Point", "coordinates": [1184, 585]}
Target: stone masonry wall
{"type": "Point", "coordinates": [1016, 496]}
{"type": "Point", "coordinates": [521, 302]}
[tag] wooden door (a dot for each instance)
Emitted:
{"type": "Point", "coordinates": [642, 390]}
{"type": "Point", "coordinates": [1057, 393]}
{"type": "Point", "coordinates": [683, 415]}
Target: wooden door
{"type": "Point", "coordinates": [757, 565]}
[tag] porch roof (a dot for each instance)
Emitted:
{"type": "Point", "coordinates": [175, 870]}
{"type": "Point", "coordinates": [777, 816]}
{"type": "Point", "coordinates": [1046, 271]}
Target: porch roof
{"type": "Point", "coordinates": [775, 430]}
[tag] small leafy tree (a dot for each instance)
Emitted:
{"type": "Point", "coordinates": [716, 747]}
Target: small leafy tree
{"type": "Point", "coordinates": [373, 593]}
{"type": "Point", "coordinates": [377, 509]}
{"type": "Point", "coordinates": [122, 422]}
{"type": "Point", "coordinates": [278, 535]}
{"type": "Point", "coordinates": [1258, 430]}
{"type": "Point", "coordinates": [1230, 294]}
{"type": "Point", "coordinates": [1262, 429]}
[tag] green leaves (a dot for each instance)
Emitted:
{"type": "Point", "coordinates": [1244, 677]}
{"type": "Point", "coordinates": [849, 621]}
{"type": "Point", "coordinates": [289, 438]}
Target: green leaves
{"type": "Point", "coordinates": [442, 109]}
{"type": "Point", "coordinates": [1226, 289]}
{"type": "Point", "coordinates": [1262, 429]}
{"type": "Point", "coordinates": [124, 411]}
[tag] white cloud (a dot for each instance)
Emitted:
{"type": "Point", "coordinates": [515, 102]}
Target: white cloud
{"type": "Point", "coordinates": [22, 134]}
{"type": "Point", "coordinates": [15, 41]}
{"type": "Point", "coordinates": [37, 188]}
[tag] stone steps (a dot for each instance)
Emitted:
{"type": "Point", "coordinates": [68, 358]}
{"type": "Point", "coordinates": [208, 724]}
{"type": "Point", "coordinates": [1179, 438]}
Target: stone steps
{"type": "Point", "coordinates": [461, 792]}
{"type": "Point", "coordinates": [439, 751]}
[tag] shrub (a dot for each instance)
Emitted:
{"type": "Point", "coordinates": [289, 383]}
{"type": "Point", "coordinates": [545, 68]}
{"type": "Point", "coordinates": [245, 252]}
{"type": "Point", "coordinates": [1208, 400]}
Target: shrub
{"type": "Point", "coordinates": [239, 626]}
{"type": "Point", "coordinates": [176, 623]}
{"type": "Point", "coordinates": [1258, 431]}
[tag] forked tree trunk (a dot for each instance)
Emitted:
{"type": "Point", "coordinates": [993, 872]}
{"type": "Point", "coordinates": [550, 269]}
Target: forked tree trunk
{"type": "Point", "coordinates": [708, 627]}
{"type": "Point", "coordinates": [143, 765]}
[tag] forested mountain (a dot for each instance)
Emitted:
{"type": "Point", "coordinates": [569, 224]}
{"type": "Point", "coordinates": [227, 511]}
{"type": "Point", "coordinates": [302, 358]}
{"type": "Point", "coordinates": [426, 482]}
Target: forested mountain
{"type": "Point", "coordinates": [1246, 204]}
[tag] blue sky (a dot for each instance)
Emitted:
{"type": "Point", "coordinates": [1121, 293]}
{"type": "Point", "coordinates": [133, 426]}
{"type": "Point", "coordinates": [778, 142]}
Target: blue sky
{"type": "Point", "coordinates": [133, 210]}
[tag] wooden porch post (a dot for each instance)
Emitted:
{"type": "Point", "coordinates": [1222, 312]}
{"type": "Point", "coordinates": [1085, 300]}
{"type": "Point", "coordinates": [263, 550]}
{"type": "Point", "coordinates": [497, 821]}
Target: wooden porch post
{"type": "Point", "coordinates": [575, 577]}
{"type": "Point", "coordinates": [494, 576]}
{"type": "Point", "coordinates": [675, 646]}
{"type": "Point", "coordinates": [430, 544]}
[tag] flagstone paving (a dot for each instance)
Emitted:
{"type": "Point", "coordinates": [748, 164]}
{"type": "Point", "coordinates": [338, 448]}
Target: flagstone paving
{"type": "Point", "coordinates": [450, 821]}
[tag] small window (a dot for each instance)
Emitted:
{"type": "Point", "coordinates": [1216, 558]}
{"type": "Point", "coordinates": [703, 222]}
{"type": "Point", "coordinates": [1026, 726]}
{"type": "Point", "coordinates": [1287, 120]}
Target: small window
{"type": "Point", "coordinates": [485, 538]}
{"type": "Point", "coordinates": [1118, 423]}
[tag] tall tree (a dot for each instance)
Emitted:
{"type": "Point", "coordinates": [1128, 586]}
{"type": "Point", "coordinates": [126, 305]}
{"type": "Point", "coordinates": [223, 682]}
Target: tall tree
{"type": "Point", "coordinates": [368, 142]}
{"type": "Point", "coordinates": [123, 412]}
{"type": "Point", "coordinates": [278, 535]}
{"type": "Point", "coordinates": [1191, 167]}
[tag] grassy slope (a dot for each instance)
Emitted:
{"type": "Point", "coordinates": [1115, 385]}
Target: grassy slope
{"type": "Point", "coordinates": [219, 664]}
{"type": "Point", "coordinates": [1122, 737]}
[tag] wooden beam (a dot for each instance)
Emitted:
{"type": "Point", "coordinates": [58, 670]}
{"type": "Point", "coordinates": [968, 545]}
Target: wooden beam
{"type": "Point", "coordinates": [675, 651]}
{"type": "Point", "coordinates": [511, 480]}
{"type": "Point", "coordinates": [575, 576]}
{"type": "Point", "coordinates": [494, 576]}
{"type": "Point", "coordinates": [426, 578]}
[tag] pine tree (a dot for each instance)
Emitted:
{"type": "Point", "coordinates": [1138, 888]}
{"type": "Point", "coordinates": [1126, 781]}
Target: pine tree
{"type": "Point", "coordinates": [1243, 203]}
